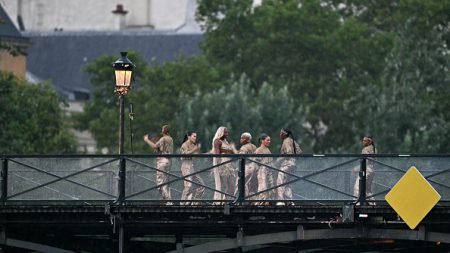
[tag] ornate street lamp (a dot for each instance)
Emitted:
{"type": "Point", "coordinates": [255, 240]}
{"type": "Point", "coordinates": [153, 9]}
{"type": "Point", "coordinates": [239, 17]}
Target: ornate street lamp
{"type": "Point", "coordinates": [123, 68]}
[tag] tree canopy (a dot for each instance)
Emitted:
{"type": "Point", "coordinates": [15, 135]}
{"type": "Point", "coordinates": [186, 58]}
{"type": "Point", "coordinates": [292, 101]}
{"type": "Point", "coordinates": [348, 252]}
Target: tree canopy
{"type": "Point", "coordinates": [238, 107]}
{"type": "Point", "coordinates": [155, 93]}
{"type": "Point", "coordinates": [32, 120]}
{"type": "Point", "coordinates": [331, 71]}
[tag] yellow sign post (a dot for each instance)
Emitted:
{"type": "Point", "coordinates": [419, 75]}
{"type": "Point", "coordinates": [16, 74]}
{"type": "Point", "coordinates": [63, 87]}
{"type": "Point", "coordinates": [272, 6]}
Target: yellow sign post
{"type": "Point", "coordinates": [412, 197]}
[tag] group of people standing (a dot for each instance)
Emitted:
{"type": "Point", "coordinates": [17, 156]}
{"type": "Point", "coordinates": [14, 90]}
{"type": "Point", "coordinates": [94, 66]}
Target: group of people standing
{"type": "Point", "coordinates": [260, 183]}
{"type": "Point", "coordinates": [259, 177]}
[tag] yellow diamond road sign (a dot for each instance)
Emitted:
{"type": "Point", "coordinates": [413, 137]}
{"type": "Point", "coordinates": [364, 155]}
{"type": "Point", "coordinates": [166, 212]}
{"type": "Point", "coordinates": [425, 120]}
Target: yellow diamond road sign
{"type": "Point", "coordinates": [412, 197]}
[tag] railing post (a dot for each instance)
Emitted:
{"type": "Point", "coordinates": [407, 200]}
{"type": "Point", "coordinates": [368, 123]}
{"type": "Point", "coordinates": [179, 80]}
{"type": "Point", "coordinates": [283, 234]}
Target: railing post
{"type": "Point", "coordinates": [241, 182]}
{"type": "Point", "coordinates": [362, 181]}
{"type": "Point", "coordinates": [122, 165]}
{"type": "Point", "coordinates": [122, 237]}
{"type": "Point", "coordinates": [4, 180]}
{"type": "Point", "coordinates": [121, 182]}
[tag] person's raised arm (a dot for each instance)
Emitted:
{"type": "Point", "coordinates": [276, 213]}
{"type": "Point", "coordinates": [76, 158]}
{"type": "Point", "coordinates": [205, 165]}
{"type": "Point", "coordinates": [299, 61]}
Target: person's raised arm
{"type": "Point", "coordinates": [194, 150]}
{"type": "Point", "coordinates": [149, 142]}
{"type": "Point", "coordinates": [217, 146]}
{"type": "Point", "coordinates": [233, 147]}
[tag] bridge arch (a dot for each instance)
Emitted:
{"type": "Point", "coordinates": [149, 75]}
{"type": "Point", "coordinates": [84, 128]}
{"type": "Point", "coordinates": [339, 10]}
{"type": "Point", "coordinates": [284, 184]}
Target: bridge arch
{"type": "Point", "coordinates": [316, 234]}
{"type": "Point", "coordinates": [33, 246]}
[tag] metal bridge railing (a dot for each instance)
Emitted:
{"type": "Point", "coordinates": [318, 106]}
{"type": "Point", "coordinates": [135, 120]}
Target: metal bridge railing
{"type": "Point", "coordinates": [215, 179]}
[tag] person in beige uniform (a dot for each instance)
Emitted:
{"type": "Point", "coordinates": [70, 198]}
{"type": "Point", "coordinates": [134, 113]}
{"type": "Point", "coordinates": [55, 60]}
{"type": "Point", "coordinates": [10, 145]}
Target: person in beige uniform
{"type": "Point", "coordinates": [368, 148]}
{"type": "Point", "coordinates": [289, 146]}
{"type": "Point", "coordinates": [224, 175]}
{"type": "Point", "coordinates": [264, 173]}
{"type": "Point", "coordinates": [162, 147]}
{"type": "Point", "coordinates": [251, 180]}
{"type": "Point", "coordinates": [188, 147]}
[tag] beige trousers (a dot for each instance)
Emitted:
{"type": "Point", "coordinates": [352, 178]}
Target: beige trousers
{"type": "Point", "coordinates": [369, 180]}
{"type": "Point", "coordinates": [284, 192]}
{"type": "Point", "coordinates": [191, 191]}
{"type": "Point", "coordinates": [251, 181]}
{"type": "Point", "coordinates": [225, 179]}
{"type": "Point", "coordinates": [163, 165]}
{"type": "Point", "coordinates": [265, 181]}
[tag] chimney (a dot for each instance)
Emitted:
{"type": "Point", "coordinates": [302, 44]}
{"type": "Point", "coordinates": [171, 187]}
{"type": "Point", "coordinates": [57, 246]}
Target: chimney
{"type": "Point", "coordinates": [19, 16]}
{"type": "Point", "coordinates": [120, 17]}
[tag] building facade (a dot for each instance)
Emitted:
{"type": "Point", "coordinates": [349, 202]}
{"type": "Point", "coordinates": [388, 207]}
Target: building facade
{"type": "Point", "coordinates": [13, 47]}
{"type": "Point", "coordinates": [69, 34]}
{"type": "Point", "coordinates": [101, 15]}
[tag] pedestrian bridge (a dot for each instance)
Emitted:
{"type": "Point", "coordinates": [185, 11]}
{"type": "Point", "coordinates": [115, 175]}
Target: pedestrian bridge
{"type": "Point", "coordinates": [101, 203]}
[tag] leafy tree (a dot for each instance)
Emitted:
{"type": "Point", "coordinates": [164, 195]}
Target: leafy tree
{"type": "Point", "coordinates": [162, 86]}
{"type": "Point", "coordinates": [238, 107]}
{"type": "Point", "coordinates": [14, 50]}
{"type": "Point", "coordinates": [32, 120]}
{"type": "Point", "coordinates": [155, 93]}
{"type": "Point", "coordinates": [307, 45]}
{"type": "Point", "coordinates": [330, 70]}
{"type": "Point", "coordinates": [101, 113]}
{"type": "Point", "coordinates": [409, 111]}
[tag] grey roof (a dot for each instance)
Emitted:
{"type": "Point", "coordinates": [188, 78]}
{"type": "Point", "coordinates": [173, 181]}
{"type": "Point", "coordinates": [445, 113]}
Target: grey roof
{"type": "Point", "coordinates": [8, 30]}
{"type": "Point", "coordinates": [61, 56]}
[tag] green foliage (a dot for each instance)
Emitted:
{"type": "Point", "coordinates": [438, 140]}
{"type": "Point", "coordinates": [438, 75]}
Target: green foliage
{"type": "Point", "coordinates": [336, 57]}
{"type": "Point", "coordinates": [155, 93]}
{"type": "Point", "coordinates": [14, 50]}
{"type": "Point", "coordinates": [295, 40]}
{"type": "Point", "coordinates": [331, 71]}
{"type": "Point", "coordinates": [101, 113]}
{"type": "Point", "coordinates": [32, 121]}
{"type": "Point", "coordinates": [413, 100]}
{"type": "Point", "coordinates": [306, 45]}
{"type": "Point", "coordinates": [239, 108]}
{"type": "Point", "coordinates": [158, 98]}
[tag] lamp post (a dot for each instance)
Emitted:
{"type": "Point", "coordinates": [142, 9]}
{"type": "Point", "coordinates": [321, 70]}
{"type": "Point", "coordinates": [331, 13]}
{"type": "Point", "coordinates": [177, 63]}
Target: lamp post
{"type": "Point", "coordinates": [123, 68]}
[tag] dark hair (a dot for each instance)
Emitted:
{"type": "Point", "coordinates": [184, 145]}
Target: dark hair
{"type": "Point", "coordinates": [262, 137]}
{"type": "Point", "coordinates": [189, 133]}
{"type": "Point", "coordinates": [289, 134]}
